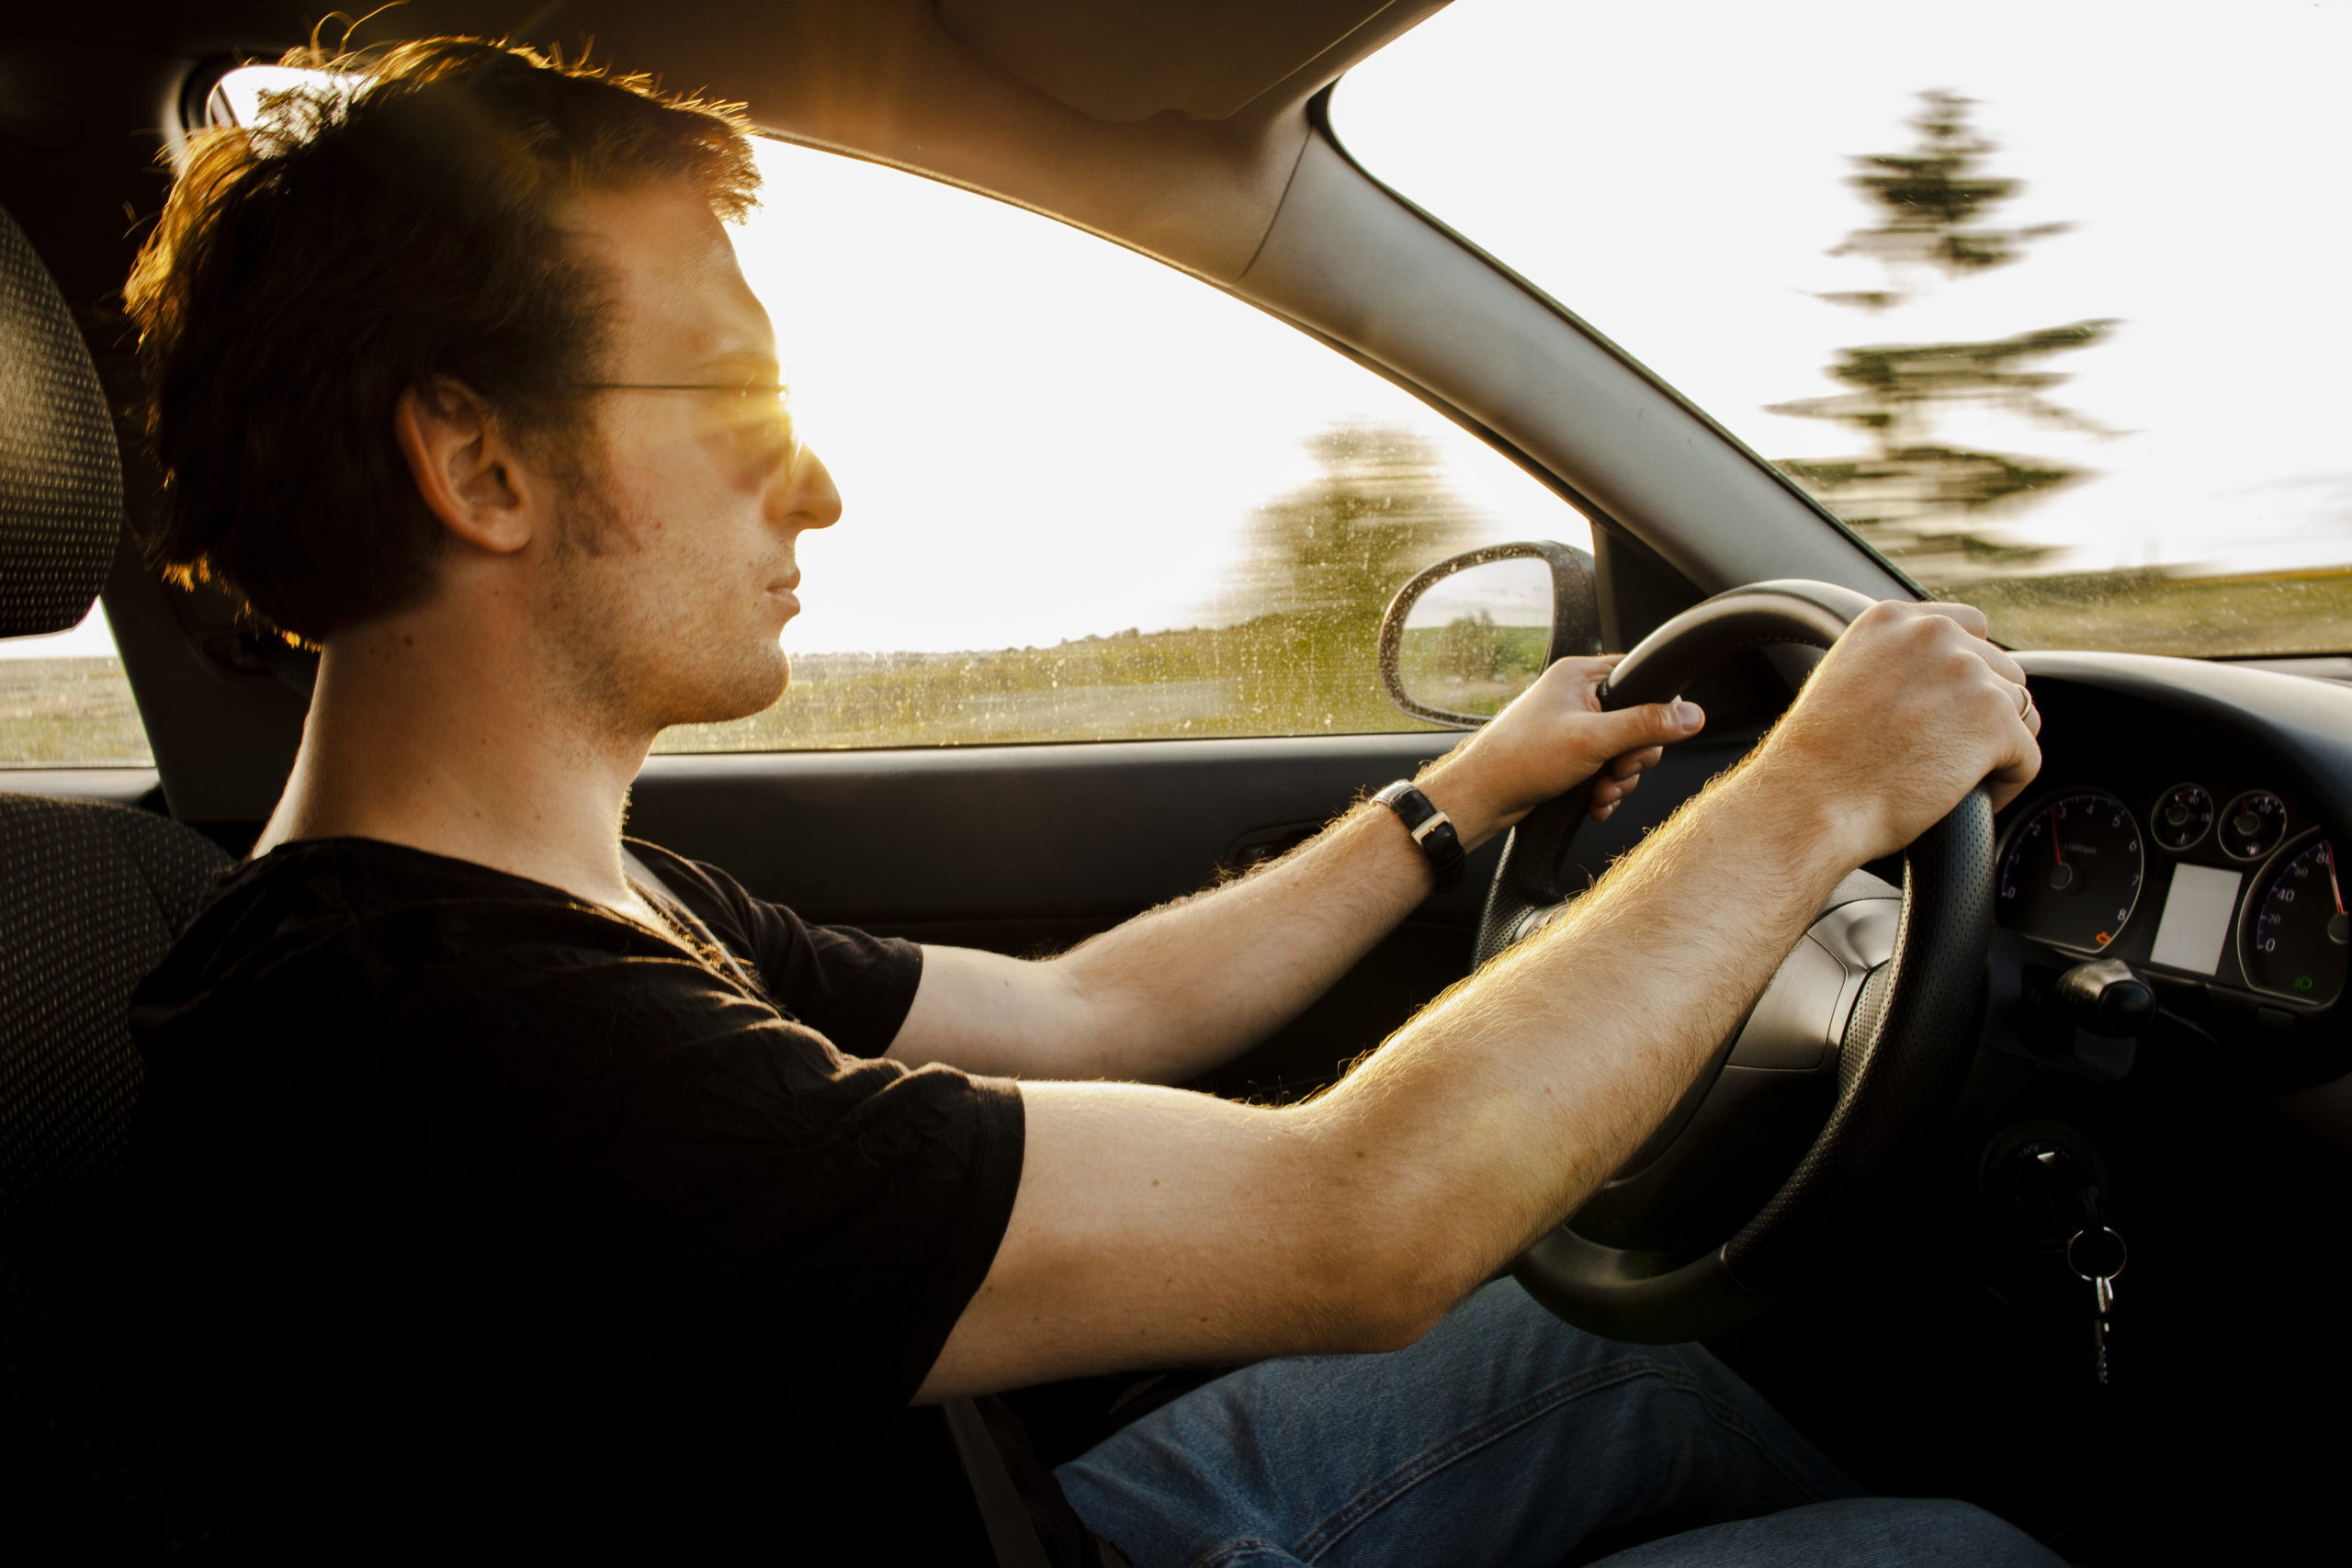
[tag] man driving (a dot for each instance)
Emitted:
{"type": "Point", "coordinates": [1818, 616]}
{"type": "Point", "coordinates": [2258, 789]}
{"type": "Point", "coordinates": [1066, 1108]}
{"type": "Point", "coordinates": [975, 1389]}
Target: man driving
{"type": "Point", "coordinates": [506, 1182]}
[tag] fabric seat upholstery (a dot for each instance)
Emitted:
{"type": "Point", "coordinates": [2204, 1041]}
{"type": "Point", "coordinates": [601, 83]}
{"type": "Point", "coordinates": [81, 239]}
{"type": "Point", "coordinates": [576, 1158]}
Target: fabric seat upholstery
{"type": "Point", "coordinates": [95, 896]}
{"type": "Point", "coordinates": [91, 898]}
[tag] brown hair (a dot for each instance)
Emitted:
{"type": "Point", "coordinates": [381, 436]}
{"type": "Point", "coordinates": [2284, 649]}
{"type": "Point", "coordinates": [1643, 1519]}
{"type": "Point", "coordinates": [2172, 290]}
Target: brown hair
{"type": "Point", "coordinates": [369, 235]}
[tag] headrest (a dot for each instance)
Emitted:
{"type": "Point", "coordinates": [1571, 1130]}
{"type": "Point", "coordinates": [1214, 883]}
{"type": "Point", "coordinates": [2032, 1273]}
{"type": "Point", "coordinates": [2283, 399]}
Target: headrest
{"type": "Point", "coordinates": [60, 474]}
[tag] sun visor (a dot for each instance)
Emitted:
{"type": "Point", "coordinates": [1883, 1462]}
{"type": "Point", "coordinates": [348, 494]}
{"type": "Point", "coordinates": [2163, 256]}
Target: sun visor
{"type": "Point", "coordinates": [1128, 60]}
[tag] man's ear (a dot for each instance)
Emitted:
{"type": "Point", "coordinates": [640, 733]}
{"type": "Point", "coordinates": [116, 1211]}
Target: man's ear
{"type": "Point", "coordinates": [467, 470]}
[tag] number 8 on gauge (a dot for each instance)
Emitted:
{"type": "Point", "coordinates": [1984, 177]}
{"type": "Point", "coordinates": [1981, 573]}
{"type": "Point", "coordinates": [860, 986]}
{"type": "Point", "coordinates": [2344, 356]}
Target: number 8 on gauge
{"type": "Point", "coordinates": [2297, 935]}
{"type": "Point", "coordinates": [2071, 874]}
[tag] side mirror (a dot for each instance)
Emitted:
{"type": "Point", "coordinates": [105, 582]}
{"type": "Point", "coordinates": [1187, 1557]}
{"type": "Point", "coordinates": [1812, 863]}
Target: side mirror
{"type": "Point", "coordinates": [1468, 635]}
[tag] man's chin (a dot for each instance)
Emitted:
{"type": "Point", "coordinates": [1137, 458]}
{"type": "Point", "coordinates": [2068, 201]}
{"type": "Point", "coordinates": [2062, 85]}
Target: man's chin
{"type": "Point", "coordinates": [752, 689]}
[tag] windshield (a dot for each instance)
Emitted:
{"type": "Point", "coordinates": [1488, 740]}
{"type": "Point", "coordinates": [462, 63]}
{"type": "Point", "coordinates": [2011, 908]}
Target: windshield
{"type": "Point", "coordinates": [2045, 303]}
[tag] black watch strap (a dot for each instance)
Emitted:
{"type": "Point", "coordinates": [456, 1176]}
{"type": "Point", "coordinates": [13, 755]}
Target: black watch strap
{"type": "Point", "coordinates": [1441, 845]}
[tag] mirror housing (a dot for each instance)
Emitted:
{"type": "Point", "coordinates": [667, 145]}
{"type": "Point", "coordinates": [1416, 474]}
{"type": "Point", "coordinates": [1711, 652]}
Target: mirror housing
{"type": "Point", "coordinates": [1456, 628]}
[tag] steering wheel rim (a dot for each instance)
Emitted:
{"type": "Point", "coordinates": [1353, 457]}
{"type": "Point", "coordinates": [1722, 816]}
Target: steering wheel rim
{"type": "Point", "coordinates": [1906, 1046]}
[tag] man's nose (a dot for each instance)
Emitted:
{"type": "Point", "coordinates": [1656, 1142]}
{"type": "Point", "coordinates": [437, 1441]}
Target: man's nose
{"type": "Point", "coordinates": [807, 498]}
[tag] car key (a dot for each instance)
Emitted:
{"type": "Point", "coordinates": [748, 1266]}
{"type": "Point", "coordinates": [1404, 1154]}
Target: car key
{"type": "Point", "coordinates": [2098, 1255]}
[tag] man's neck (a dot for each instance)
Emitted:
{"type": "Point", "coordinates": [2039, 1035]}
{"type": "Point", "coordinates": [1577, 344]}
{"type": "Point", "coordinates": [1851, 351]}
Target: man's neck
{"type": "Point", "coordinates": [420, 734]}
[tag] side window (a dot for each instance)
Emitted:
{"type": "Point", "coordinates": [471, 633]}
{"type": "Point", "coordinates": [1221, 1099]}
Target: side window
{"type": "Point", "coordinates": [64, 702]}
{"type": "Point", "coordinates": [1087, 498]}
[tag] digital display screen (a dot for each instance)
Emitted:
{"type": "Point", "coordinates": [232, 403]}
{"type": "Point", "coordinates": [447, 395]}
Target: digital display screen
{"type": "Point", "coordinates": [2197, 918]}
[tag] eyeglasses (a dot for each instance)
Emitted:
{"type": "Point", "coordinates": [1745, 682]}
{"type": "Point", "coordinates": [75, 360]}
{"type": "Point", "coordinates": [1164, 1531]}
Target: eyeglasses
{"type": "Point", "coordinates": [757, 415]}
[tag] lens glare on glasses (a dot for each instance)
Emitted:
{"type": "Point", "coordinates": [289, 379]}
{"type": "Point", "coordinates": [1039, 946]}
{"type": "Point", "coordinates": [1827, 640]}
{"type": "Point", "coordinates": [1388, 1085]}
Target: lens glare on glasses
{"type": "Point", "coordinates": [757, 417]}
{"type": "Point", "coordinates": [764, 422]}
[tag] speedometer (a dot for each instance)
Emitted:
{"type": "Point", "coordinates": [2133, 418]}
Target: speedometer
{"type": "Point", "coordinates": [2071, 875]}
{"type": "Point", "coordinates": [2296, 934]}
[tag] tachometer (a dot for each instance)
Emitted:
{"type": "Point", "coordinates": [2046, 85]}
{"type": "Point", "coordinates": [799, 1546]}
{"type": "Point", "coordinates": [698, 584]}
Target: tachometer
{"type": "Point", "coordinates": [2297, 937]}
{"type": "Point", "coordinates": [2071, 875]}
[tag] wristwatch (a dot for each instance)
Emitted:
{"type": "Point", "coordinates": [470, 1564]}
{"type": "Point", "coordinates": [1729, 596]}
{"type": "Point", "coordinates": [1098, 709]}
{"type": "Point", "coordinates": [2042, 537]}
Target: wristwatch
{"type": "Point", "coordinates": [1441, 845]}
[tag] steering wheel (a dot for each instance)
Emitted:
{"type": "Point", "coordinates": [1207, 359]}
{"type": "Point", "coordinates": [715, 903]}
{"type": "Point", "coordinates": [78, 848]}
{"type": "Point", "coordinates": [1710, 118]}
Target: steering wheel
{"type": "Point", "coordinates": [1845, 1065]}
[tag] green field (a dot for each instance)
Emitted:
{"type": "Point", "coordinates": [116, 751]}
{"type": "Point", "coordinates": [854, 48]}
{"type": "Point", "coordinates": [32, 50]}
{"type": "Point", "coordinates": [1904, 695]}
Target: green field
{"type": "Point", "coordinates": [1275, 676]}
{"type": "Point", "coordinates": [2150, 612]}
{"type": "Point", "coordinates": [67, 713]}
{"type": "Point", "coordinates": [1471, 666]}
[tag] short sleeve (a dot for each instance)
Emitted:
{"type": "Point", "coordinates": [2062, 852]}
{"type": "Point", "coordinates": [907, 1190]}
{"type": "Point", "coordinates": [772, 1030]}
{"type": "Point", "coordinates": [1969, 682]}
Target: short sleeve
{"type": "Point", "coordinates": [853, 987]}
{"type": "Point", "coordinates": [839, 1213]}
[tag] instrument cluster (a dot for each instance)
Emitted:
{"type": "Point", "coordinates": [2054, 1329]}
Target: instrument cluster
{"type": "Point", "coordinates": [2231, 881]}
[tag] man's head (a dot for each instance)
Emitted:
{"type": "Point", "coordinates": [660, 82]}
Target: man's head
{"type": "Point", "coordinates": [435, 262]}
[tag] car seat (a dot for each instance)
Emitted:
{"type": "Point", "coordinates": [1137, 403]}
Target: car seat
{"type": "Point", "coordinates": [95, 896]}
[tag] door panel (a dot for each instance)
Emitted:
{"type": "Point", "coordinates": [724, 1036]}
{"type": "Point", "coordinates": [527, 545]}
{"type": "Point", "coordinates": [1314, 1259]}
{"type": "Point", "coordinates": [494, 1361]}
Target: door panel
{"type": "Point", "coordinates": [979, 837]}
{"type": "Point", "coordinates": [1032, 849]}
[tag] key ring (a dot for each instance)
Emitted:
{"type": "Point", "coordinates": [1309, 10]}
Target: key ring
{"type": "Point", "coordinates": [2122, 1253]}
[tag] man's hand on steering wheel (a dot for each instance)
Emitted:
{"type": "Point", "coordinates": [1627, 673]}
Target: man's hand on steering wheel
{"type": "Point", "coordinates": [1551, 739]}
{"type": "Point", "coordinates": [1909, 711]}
{"type": "Point", "coordinates": [1909, 700]}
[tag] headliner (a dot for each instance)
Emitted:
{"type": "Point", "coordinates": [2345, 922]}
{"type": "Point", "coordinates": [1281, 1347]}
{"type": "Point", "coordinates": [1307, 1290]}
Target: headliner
{"type": "Point", "coordinates": [1168, 125]}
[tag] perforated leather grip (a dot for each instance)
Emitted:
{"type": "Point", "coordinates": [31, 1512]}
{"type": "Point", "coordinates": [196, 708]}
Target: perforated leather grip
{"type": "Point", "coordinates": [1761, 615]}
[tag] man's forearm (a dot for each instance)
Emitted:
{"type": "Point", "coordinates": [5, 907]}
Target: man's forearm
{"type": "Point", "coordinates": [1182, 988]}
{"type": "Point", "coordinates": [1193, 984]}
{"type": "Point", "coordinates": [1186, 986]}
{"type": "Point", "coordinates": [1507, 1102]}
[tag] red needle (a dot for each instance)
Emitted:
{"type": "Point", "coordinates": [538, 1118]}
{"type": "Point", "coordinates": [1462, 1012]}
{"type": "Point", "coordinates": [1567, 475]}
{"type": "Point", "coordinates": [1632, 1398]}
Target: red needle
{"type": "Point", "coordinates": [2053, 837]}
{"type": "Point", "coordinates": [2327, 852]}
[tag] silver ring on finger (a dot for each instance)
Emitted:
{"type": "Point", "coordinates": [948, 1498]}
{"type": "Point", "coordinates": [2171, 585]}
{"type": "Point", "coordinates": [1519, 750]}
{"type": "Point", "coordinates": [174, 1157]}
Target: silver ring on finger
{"type": "Point", "coordinates": [2025, 702]}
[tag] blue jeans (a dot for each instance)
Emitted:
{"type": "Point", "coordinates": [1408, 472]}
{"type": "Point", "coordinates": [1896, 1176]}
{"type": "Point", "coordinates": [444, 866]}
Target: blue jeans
{"type": "Point", "coordinates": [1505, 1438]}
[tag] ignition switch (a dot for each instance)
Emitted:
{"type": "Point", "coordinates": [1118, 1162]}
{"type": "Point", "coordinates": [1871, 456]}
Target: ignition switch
{"type": "Point", "coordinates": [2043, 1181]}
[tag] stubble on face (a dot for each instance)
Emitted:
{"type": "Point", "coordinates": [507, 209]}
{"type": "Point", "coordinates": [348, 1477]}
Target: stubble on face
{"type": "Point", "coordinates": [641, 660]}
{"type": "Point", "coordinates": [656, 579]}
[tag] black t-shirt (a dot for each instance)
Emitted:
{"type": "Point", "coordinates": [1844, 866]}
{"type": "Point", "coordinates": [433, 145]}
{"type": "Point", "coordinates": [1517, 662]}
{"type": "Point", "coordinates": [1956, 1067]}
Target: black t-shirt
{"type": "Point", "coordinates": [455, 1196]}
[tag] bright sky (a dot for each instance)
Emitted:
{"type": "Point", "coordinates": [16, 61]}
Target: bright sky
{"type": "Point", "coordinates": [1038, 434]}
{"type": "Point", "coordinates": [1041, 435]}
{"type": "Point", "coordinates": [1674, 174]}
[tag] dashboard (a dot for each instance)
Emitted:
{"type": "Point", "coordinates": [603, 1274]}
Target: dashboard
{"type": "Point", "coordinates": [2232, 882]}
{"type": "Point", "coordinates": [2187, 822]}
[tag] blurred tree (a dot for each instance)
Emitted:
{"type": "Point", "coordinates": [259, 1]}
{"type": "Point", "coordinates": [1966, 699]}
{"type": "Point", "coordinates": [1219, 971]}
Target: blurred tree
{"type": "Point", "coordinates": [1319, 565]}
{"type": "Point", "coordinates": [1471, 646]}
{"type": "Point", "coordinates": [1921, 500]}
{"type": "Point", "coordinates": [1341, 545]}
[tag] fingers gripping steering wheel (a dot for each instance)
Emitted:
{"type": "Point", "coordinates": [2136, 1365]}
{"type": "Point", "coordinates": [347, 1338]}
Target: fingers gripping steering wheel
{"type": "Point", "coordinates": [1878, 1033]}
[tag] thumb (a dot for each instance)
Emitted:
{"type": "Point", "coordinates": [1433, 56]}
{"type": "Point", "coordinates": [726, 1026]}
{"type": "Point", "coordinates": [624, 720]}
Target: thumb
{"type": "Point", "coordinates": [1651, 724]}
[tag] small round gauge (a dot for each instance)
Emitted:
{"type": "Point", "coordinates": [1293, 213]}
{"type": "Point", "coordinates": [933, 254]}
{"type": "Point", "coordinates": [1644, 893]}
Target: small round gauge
{"type": "Point", "coordinates": [2254, 824]}
{"type": "Point", "coordinates": [2297, 937]}
{"type": "Point", "coordinates": [2181, 817]}
{"type": "Point", "coordinates": [2071, 874]}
